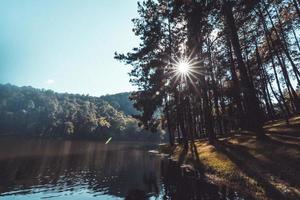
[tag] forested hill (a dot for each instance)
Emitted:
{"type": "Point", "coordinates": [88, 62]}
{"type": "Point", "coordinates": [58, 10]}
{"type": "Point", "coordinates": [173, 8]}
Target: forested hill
{"type": "Point", "coordinates": [30, 111]}
{"type": "Point", "coordinates": [121, 102]}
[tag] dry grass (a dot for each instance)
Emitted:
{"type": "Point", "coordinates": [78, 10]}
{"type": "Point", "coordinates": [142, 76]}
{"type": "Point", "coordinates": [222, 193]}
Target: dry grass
{"type": "Point", "coordinates": [265, 169]}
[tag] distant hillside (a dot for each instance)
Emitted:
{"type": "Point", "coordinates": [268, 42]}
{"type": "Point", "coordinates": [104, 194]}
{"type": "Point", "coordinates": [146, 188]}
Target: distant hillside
{"type": "Point", "coordinates": [121, 102]}
{"type": "Point", "coordinates": [30, 111]}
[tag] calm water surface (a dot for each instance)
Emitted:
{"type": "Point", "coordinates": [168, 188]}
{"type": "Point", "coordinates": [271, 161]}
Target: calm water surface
{"type": "Point", "coordinates": [58, 169]}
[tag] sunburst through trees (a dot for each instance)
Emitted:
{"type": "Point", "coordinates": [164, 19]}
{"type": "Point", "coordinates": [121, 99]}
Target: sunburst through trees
{"type": "Point", "coordinates": [207, 87]}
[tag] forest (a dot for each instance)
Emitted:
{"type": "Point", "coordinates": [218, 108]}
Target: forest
{"type": "Point", "coordinates": [240, 64]}
{"type": "Point", "coordinates": [28, 111]}
{"type": "Point", "coordinates": [222, 78]}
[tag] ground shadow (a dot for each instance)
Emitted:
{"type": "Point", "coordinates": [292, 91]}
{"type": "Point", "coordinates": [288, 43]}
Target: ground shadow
{"type": "Point", "coordinates": [182, 155]}
{"type": "Point", "coordinates": [291, 133]}
{"type": "Point", "coordinates": [238, 155]}
{"type": "Point", "coordinates": [285, 143]}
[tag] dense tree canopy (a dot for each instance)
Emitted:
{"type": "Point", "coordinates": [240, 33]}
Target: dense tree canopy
{"type": "Point", "coordinates": [29, 111]}
{"type": "Point", "coordinates": [121, 103]}
{"type": "Point", "coordinates": [243, 59]}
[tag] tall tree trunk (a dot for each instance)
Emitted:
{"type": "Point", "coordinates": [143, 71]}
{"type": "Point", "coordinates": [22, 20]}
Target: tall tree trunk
{"type": "Point", "coordinates": [236, 87]}
{"type": "Point", "coordinates": [292, 93]}
{"type": "Point", "coordinates": [273, 114]}
{"type": "Point", "coordinates": [276, 77]}
{"type": "Point", "coordinates": [195, 43]}
{"type": "Point", "coordinates": [222, 103]}
{"type": "Point", "coordinates": [190, 119]}
{"type": "Point", "coordinates": [170, 130]}
{"type": "Point", "coordinates": [253, 112]}
{"type": "Point", "coordinates": [207, 113]}
{"type": "Point", "coordinates": [286, 49]}
{"type": "Point", "coordinates": [284, 112]}
{"type": "Point", "coordinates": [247, 64]}
{"type": "Point", "coordinates": [263, 84]}
{"type": "Point", "coordinates": [201, 118]}
{"type": "Point", "coordinates": [296, 38]}
{"type": "Point", "coordinates": [282, 41]}
{"type": "Point", "coordinates": [215, 89]}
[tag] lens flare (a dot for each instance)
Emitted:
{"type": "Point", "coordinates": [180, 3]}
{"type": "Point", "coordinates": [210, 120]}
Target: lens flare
{"type": "Point", "coordinates": [183, 67]}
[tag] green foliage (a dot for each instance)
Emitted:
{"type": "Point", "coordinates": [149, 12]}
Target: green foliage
{"type": "Point", "coordinates": [29, 111]}
{"type": "Point", "coordinates": [68, 128]}
{"type": "Point", "coordinates": [121, 102]}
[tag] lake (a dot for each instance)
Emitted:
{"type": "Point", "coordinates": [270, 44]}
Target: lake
{"type": "Point", "coordinates": [53, 169]}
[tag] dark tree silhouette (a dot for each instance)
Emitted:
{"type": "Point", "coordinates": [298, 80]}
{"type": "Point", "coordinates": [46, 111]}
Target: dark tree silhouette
{"type": "Point", "coordinates": [244, 65]}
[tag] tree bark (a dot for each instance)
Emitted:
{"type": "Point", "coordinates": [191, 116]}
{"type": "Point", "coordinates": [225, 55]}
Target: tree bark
{"type": "Point", "coordinates": [253, 112]}
{"type": "Point", "coordinates": [236, 86]}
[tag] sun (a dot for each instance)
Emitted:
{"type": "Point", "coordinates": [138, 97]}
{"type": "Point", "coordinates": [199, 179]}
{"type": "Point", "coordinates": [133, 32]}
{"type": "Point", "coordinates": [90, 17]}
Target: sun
{"type": "Point", "coordinates": [183, 67]}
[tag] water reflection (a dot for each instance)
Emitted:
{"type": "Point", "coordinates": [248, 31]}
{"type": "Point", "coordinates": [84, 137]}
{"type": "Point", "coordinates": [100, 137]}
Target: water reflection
{"type": "Point", "coordinates": [57, 169]}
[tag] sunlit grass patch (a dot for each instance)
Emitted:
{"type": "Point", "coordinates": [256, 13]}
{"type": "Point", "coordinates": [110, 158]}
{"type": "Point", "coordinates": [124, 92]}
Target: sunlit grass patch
{"type": "Point", "coordinates": [215, 160]}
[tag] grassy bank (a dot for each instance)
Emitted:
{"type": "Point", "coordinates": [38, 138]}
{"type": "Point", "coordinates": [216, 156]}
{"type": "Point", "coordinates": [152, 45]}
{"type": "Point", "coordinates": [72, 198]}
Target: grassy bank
{"type": "Point", "coordinates": [263, 169]}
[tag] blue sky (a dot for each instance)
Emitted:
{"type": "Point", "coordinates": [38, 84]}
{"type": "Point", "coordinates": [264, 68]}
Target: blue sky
{"type": "Point", "coordinates": [66, 45]}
